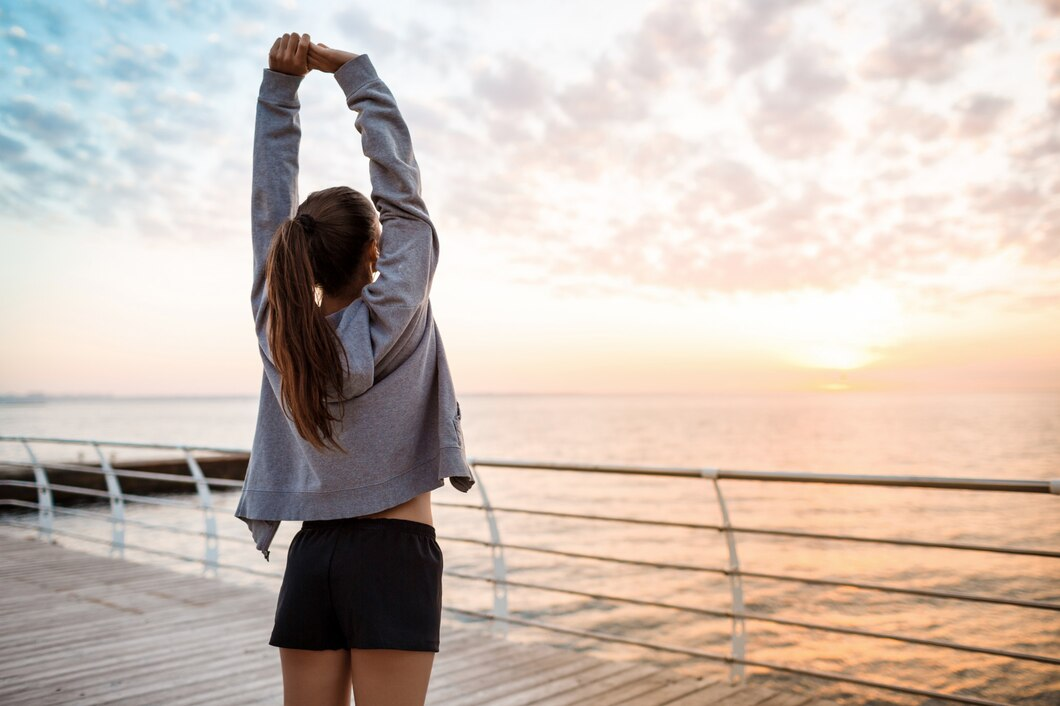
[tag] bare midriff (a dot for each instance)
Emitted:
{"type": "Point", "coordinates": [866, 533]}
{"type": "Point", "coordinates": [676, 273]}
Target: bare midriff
{"type": "Point", "coordinates": [417, 509]}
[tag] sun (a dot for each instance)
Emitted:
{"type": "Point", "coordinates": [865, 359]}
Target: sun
{"type": "Point", "coordinates": [839, 330]}
{"type": "Point", "coordinates": [836, 356]}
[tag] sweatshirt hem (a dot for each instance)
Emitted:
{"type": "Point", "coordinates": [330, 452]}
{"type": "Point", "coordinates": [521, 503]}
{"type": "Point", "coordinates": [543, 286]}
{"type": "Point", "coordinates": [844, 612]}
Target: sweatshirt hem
{"type": "Point", "coordinates": [271, 506]}
{"type": "Point", "coordinates": [274, 505]}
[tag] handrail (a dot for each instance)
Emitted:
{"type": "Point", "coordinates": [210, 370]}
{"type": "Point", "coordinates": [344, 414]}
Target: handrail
{"type": "Point", "coordinates": [736, 659]}
{"type": "Point", "coordinates": [905, 481]}
{"type": "Point", "coordinates": [126, 444]}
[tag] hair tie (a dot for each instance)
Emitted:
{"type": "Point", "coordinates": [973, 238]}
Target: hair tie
{"type": "Point", "coordinates": [306, 221]}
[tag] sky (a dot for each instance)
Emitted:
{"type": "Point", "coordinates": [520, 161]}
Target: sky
{"type": "Point", "coordinates": [631, 197]}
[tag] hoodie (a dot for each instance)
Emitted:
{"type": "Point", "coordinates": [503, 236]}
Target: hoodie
{"type": "Point", "coordinates": [400, 414]}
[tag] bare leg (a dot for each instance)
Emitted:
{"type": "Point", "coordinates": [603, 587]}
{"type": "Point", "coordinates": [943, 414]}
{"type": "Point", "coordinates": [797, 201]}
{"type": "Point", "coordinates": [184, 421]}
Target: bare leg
{"type": "Point", "coordinates": [391, 677]}
{"type": "Point", "coordinates": [315, 677]}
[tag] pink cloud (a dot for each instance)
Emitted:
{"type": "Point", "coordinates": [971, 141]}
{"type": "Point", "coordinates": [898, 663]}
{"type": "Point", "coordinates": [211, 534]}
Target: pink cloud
{"type": "Point", "coordinates": [931, 47]}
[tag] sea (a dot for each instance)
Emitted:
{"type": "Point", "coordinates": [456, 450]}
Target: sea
{"type": "Point", "coordinates": [997, 435]}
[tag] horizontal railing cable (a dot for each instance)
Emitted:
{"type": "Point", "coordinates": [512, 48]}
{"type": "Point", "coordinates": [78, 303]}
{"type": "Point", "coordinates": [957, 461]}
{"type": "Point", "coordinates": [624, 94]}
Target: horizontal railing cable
{"type": "Point", "coordinates": [1028, 656]}
{"type": "Point", "coordinates": [763, 575]}
{"type": "Point", "coordinates": [146, 550]}
{"type": "Point", "coordinates": [752, 530]}
{"type": "Point", "coordinates": [107, 517]}
{"type": "Point", "coordinates": [132, 473]}
{"type": "Point", "coordinates": [688, 567]}
{"type": "Point", "coordinates": [77, 490]}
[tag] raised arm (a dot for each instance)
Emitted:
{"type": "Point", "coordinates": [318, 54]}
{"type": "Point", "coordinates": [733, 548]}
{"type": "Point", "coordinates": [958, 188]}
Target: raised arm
{"type": "Point", "coordinates": [277, 134]}
{"type": "Point", "coordinates": [397, 300]}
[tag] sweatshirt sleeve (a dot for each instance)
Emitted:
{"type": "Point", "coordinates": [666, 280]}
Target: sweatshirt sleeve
{"type": "Point", "coordinates": [397, 301]}
{"type": "Point", "coordinates": [274, 181]}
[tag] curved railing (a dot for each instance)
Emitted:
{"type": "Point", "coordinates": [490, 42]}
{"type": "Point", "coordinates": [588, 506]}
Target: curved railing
{"type": "Point", "coordinates": [736, 657]}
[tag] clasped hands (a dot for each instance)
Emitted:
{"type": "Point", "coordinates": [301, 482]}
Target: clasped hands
{"type": "Point", "coordinates": [296, 55]}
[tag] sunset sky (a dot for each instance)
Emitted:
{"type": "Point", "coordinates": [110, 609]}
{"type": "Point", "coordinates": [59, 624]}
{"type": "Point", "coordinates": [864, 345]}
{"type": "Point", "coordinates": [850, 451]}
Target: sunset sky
{"type": "Point", "coordinates": [664, 196]}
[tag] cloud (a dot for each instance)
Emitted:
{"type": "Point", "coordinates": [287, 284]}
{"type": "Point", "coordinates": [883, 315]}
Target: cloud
{"type": "Point", "coordinates": [103, 117]}
{"type": "Point", "coordinates": [1054, 83]}
{"type": "Point", "coordinates": [1020, 216]}
{"type": "Point", "coordinates": [672, 38]}
{"type": "Point", "coordinates": [794, 120]}
{"type": "Point", "coordinates": [731, 219]}
{"type": "Point", "coordinates": [756, 32]}
{"type": "Point", "coordinates": [54, 126]}
{"type": "Point", "coordinates": [362, 32]}
{"type": "Point", "coordinates": [753, 148]}
{"type": "Point", "coordinates": [726, 186]}
{"type": "Point", "coordinates": [514, 84]}
{"type": "Point", "coordinates": [10, 148]}
{"type": "Point", "coordinates": [980, 113]}
{"type": "Point", "coordinates": [931, 48]}
{"type": "Point", "coordinates": [1051, 7]}
{"type": "Point", "coordinates": [905, 121]}
{"type": "Point", "coordinates": [53, 21]}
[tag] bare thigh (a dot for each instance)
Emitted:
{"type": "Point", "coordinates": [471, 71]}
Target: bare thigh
{"type": "Point", "coordinates": [391, 677]}
{"type": "Point", "coordinates": [315, 677]}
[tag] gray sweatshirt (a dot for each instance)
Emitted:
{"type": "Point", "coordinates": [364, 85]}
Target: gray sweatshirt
{"type": "Point", "coordinates": [400, 416]}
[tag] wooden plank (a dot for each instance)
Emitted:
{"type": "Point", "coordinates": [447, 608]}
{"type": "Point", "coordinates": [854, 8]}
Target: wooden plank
{"type": "Point", "coordinates": [748, 695]}
{"type": "Point", "coordinates": [633, 689]}
{"type": "Point", "coordinates": [89, 629]}
{"type": "Point", "coordinates": [470, 656]}
{"type": "Point", "coordinates": [709, 696]}
{"type": "Point", "coordinates": [57, 657]}
{"type": "Point", "coordinates": [788, 699]}
{"type": "Point", "coordinates": [262, 681]}
{"type": "Point", "coordinates": [491, 659]}
{"type": "Point", "coordinates": [556, 666]}
{"type": "Point", "coordinates": [524, 664]}
{"type": "Point", "coordinates": [110, 630]}
{"type": "Point", "coordinates": [543, 692]}
{"type": "Point", "coordinates": [105, 678]}
{"type": "Point", "coordinates": [630, 673]}
{"type": "Point", "coordinates": [183, 675]}
{"type": "Point", "coordinates": [668, 693]}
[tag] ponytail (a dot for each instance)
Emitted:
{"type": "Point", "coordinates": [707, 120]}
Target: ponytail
{"type": "Point", "coordinates": [305, 348]}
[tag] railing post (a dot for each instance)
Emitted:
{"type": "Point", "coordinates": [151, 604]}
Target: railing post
{"type": "Point", "coordinates": [500, 569]}
{"type": "Point", "coordinates": [739, 628]}
{"type": "Point", "coordinates": [210, 551]}
{"type": "Point", "coordinates": [117, 505]}
{"type": "Point", "coordinates": [45, 506]}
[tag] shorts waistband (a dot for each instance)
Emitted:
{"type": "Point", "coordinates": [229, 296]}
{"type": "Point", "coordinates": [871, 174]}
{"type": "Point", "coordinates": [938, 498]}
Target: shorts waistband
{"type": "Point", "coordinates": [395, 523]}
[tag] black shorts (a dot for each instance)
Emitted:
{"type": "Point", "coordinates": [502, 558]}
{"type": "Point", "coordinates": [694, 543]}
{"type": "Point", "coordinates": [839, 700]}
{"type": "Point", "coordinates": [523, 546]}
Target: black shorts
{"type": "Point", "coordinates": [367, 583]}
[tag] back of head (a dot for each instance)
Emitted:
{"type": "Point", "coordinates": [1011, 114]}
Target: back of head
{"type": "Point", "coordinates": [331, 243]}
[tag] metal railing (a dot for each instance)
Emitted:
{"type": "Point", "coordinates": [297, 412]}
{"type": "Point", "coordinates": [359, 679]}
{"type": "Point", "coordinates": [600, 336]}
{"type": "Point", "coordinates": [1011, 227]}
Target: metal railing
{"type": "Point", "coordinates": [500, 615]}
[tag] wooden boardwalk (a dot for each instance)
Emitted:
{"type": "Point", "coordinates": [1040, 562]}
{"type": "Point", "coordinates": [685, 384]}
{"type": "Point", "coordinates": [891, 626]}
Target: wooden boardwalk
{"type": "Point", "coordinates": [78, 628]}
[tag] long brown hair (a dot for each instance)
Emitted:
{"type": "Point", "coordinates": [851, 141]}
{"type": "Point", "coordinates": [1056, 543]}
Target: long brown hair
{"type": "Point", "coordinates": [323, 245]}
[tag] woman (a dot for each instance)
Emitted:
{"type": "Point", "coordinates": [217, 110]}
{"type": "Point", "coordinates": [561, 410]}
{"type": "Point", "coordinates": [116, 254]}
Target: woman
{"type": "Point", "coordinates": [358, 420]}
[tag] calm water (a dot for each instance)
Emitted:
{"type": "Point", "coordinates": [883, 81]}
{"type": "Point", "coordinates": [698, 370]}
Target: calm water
{"type": "Point", "coordinates": [987, 435]}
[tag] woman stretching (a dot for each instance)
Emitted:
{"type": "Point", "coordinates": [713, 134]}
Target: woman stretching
{"type": "Point", "coordinates": [358, 420]}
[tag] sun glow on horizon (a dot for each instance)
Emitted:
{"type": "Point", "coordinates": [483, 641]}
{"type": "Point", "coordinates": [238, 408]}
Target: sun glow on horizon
{"type": "Point", "coordinates": [838, 330]}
